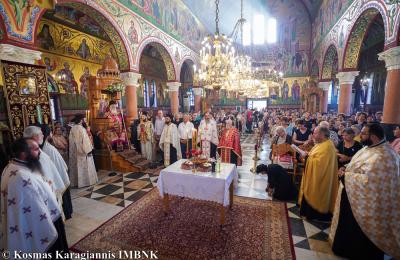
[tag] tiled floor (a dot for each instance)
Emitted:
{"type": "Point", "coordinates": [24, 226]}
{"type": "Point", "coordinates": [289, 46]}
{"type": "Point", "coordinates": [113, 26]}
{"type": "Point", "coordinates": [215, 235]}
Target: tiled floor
{"type": "Point", "coordinates": [95, 205]}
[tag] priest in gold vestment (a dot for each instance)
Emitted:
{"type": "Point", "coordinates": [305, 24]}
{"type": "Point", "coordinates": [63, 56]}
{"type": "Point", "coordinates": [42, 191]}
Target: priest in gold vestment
{"type": "Point", "coordinates": [229, 144]}
{"type": "Point", "coordinates": [319, 184]}
{"type": "Point", "coordinates": [366, 222]}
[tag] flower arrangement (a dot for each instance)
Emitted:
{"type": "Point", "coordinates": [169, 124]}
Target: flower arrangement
{"type": "Point", "coordinates": [115, 87]}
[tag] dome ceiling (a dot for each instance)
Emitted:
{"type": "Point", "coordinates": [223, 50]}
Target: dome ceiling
{"type": "Point", "coordinates": [230, 11]}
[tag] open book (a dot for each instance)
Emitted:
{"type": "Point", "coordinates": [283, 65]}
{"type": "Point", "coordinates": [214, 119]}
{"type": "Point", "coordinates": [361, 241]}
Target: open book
{"type": "Point", "coordinates": [297, 149]}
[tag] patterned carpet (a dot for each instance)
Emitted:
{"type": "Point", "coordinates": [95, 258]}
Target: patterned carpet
{"type": "Point", "coordinates": [126, 188]}
{"type": "Point", "coordinates": [255, 229]}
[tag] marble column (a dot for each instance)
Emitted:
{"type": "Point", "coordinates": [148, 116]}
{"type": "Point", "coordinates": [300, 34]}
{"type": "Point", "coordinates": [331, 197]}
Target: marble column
{"type": "Point", "coordinates": [324, 85]}
{"type": "Point", "coordinates": [391, 107]}
{"type": "Point", "coordinates": [198, 94]}
{"type": "Point", "coordinates": [173, 89]}
{"type": "Point", "coordinates": [131, 81]}
{"type": "Point", "coordinates": [19, 54]}
{"type": "Point", "coordinates": [346, 80]}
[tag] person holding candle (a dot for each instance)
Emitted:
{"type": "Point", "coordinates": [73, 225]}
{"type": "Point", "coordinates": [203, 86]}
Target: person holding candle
{"type": "Point", "coordinates": [185, 130]}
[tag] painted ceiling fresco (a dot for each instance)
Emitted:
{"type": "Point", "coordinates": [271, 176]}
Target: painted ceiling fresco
{"type": "Point", "coordinates": [77, 20]}
{"type": "Point", "coordinates": [172, 17]}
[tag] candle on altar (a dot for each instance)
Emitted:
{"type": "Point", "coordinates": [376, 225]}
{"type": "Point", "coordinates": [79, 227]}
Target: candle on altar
{"type": "Point", "coordinates": [187, 141]}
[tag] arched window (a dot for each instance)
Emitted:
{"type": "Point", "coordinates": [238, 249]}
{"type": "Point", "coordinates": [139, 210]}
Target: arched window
{"type": "Point", "coordinates": [146, 93]}
{"type": "Point", "coordinates": [153, 98]}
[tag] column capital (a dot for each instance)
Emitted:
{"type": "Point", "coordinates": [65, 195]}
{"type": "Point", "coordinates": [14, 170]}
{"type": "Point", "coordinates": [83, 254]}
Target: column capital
{"type": "Point", "coordinates": [347, 77]}
{"type": "Point", "coordinates": [324, 84]}
{"type": "Point", "coordinates": [391, 58]}
{"type": "Point", "coordinates": [198, 91]}
{"type": "Point", "coordinates": [173, 86]}
{"type": "Point", "coordinates": [131, 78]}
{"type": "Point", "coordinates": [19, 54]}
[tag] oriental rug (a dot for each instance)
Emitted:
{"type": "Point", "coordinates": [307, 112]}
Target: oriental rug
{"type": "Point", "coordinates": [254, 229]}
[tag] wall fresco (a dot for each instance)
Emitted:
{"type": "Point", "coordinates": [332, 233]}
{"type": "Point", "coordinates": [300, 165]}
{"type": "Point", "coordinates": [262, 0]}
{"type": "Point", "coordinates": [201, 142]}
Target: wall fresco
{"type": "Point", "coordinates": [171, 16]}
{"type": "Point", "coordinates": [291, 53]}
{"type": "Point", "coordinates": [60, 39]}
{"type": "Point", "coordinates": [140, 32]}
{"type": "Point", "coordinates": [343, 26]}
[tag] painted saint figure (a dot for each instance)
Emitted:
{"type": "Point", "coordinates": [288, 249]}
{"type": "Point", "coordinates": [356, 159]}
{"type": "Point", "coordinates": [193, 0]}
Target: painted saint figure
{"type": "Point", "coordinates": [84, 79]}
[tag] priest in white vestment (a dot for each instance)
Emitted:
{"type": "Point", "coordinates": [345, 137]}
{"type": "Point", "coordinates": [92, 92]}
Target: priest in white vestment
{"type": "Point", "coordinates": [61, 166]}
{"type": "Point", "coordinates": [81, 163]}
{"type": "Point", "coordinates": [208, 136]}
{"type": "Point", "coordinates": [145, 135]}
{"type": "Point", "coordinates": [169, 142]}
{"type": "Point", "coordinates": [31, 219]}
{"type": "Point", "coordinates": [59, 179]}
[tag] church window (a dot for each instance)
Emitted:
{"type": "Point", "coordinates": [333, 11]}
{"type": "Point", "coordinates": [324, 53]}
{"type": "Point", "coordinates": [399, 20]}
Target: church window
{"type": "Point", "coordinates": [259, 29]}
{"type": "Point", "coordinates": [146, 93]}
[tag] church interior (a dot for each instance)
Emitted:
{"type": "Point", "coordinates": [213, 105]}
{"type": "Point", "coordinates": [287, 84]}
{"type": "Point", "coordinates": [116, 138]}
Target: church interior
{"type": "Point", "coordinates": [200, 129]}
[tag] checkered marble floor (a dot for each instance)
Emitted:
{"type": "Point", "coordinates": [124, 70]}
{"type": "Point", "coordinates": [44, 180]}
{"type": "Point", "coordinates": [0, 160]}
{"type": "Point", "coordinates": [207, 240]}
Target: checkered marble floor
{"type": "Point", "coordinates": [98, 203]}
{"type": "Point", "coordinates": [310, 239]}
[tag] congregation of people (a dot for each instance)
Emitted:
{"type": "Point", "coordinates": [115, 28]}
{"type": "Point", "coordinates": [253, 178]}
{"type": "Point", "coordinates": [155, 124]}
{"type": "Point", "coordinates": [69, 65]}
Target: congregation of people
{"type": "Point", "coordinates": [350, 172]}
{"type": "Point", "coordinates": [350, 177]}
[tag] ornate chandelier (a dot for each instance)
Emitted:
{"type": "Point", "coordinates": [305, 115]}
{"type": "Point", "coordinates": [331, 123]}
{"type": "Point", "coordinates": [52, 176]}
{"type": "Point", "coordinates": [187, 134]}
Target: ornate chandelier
{"type": "Point", "coordinates": [217, 59]}
{"type": "Point", "coordinates": [242, 64]}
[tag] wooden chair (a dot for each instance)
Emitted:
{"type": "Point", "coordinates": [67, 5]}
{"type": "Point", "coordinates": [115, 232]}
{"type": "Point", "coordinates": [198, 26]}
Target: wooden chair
{"type": "Point", "coordinates": [285, 156]}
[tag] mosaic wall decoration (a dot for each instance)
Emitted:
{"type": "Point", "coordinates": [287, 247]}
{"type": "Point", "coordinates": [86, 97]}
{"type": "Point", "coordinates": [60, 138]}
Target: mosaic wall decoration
{"type": "Point", "coordinates": [329, 67]}
{"type": "Point", "coordinates": [152, 67]}
{"type": "Point", "coordinates": [116, 40]}
{"type": "Point", "coordinates": [171, 16]}
{"type": "Point", "coordinates": [328, 14]}
{"type": "Point", "coordinates": [291, 53]}
{"type": "Point", "coordinates": [356, 38]}
{"type": "Point", "coordinates": [20, 17]}
{"type": "Point", "coordinates": [25, 88]}
{"type": "Point", "coordinates": [70, 74]}
{"type": "Point", "coordinates": [77, 20]}
{"type": "Point", "coordinates": [345, 22]}
{"type": "Point", "coordinates": [140, 32]}
{"type": "Point", "coordinates": [59, 39]}
{"type": "Point", "coordinates": [315, 70]}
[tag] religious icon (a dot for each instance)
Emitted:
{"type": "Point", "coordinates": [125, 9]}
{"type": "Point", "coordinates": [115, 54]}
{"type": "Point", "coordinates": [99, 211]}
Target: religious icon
{"type": "Point", "coordinates": [27, 85]}
{"type": "Point", "coordinates": [132, 33]}
{"type": "Point", "coordinates": [84, 79]}
{"type": "Point", "coordinates": [44, 38]}
{"type": "Point", "coordinates": [83, 50]}
{"type": "Point", "coordinates": [67, 79]}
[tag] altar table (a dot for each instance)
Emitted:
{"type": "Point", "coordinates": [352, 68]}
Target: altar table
{"type": "Point", "coordinates": [208, 186]}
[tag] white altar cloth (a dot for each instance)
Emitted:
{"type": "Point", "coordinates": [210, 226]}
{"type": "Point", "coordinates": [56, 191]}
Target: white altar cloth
{"type": "Point", "coordinates": [200, 185]}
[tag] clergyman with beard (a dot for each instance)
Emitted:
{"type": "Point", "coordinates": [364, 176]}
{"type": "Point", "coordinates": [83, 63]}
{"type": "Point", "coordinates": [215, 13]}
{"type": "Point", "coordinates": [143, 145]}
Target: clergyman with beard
{"type": "Point", "coordinates": [59, 179]}
{"type": "Point", "coordinates": [31, 219]}
{"type": "Point", "coordinates": [170, 142]}
{"type": "Point", "coordinates": [366, 220]}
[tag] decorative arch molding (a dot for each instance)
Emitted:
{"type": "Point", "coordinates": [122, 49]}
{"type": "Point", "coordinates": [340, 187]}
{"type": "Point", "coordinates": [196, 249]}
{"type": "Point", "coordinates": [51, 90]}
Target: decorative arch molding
{"type": "Point", "coordinates": [358, 32]}
{"type": "Point", "coordinates": [331, 56]}
{"type": "Point", "coordinates": [110, 26]}
{"type": "Point", "coordinates": [165, 53]}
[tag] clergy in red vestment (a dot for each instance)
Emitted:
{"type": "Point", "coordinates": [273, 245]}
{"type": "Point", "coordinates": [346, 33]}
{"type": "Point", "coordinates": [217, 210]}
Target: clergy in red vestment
{"type": "Point", "coordinates": [229, 145]}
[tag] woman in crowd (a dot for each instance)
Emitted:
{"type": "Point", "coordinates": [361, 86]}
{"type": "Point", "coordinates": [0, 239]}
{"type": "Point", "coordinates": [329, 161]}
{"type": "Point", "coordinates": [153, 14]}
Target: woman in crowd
{"type": "Point", "coordinates": [347, 148]}
{"type": "Point", "coordinates": [302, 134]}
{"type": "Point", "coordinates": [396, 143]}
